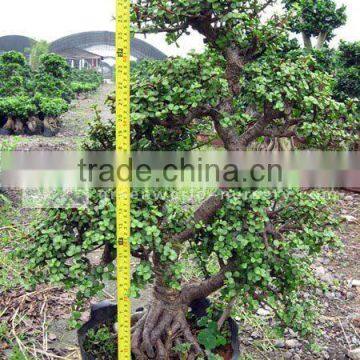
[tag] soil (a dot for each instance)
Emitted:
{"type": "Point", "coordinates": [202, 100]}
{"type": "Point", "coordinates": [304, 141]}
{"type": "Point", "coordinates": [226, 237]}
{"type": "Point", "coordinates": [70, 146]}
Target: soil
{"type": "Point", "coordinates": [339, 320]}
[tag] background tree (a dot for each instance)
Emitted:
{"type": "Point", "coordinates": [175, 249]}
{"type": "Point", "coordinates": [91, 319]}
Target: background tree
{"type": "Point", "coordinates": [316, 18]}
{"type": "Point", "coordinates": [38, 49]}
{"type": "Point", "coordinates": [255, 246]}
{"type": "Point", "coordinates": [348, 70]}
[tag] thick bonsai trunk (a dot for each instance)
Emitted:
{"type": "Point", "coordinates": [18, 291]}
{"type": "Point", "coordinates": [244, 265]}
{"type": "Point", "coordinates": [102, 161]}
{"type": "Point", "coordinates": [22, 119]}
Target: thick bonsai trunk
{"type": "Point", "coordinates": [163, 323]}
{"type": "Point", "coordinates": [19, 127]}
{"type": "Point", "coordinates": [35, 126]}
{"type": "Point", "coordinates": [161, 326]}
{"type": "Point", "coordinates": [9, 127]}
{"type": "Point", "coordinates": [51, 126]}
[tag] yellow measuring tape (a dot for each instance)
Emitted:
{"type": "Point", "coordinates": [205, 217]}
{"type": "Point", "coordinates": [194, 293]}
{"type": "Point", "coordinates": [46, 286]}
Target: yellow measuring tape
{"type": "Point", "coordinates": [123, 188]}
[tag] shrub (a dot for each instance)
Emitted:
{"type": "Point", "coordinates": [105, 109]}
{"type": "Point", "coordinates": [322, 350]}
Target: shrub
{"type": "Point", "coordinates": [80, 87]}
{"type": "Point", "coordinates": [19, 107]}
{"type": "Point", "coordinates": [86, 76]}
{"type": "Point", "coordinates": [53, 78]}
{"type": "Point", "coordinates": [348, 70]}
{"type": "Point", "coordinates": [85, 81]}
{"type": "Point", "coordinates": [14, 74]}
{"type": "Point", "coordinates": [54, 65]}
{"type": "Point", "coordinates": [52, 107]}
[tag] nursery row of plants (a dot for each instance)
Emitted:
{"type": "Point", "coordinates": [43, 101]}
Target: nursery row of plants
{"type": "Point", "coordinates": [31, 101]}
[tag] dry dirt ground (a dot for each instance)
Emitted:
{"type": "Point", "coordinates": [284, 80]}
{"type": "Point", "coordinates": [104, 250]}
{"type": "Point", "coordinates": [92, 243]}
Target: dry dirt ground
{"type": "Point", "coordinates": [44, 313]}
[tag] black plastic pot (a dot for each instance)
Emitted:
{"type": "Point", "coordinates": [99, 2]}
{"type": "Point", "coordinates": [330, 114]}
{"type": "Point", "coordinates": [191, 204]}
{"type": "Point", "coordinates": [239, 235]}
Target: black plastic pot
{"type": "Point", "coordinates": [5, 132]}
{"type": "Point", "coordinates": [105, 313]}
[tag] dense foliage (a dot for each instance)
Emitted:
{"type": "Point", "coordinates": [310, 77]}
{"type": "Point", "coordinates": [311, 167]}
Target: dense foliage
{"type": "Point", "coordinates": [85, 81]}
{"type": "Point", "coordinates": [348, 74]}
{"type": "Point", "coordinates": [250, 86]}
{"type": "Point", "coordinates": [31, 101]}
{"type": "Point", "coordinates": [14, 74]}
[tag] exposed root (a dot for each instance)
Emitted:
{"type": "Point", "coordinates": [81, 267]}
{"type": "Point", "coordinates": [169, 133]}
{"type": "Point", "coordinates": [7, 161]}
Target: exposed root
{"type": "Point", "coordinates": [159, 328]}
{"type": "Point", "coordinates": [136, 317]}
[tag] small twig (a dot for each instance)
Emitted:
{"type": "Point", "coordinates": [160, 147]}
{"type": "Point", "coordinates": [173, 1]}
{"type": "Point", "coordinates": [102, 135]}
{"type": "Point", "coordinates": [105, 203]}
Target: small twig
{"type": "Point", "coordinates": [13, 330]}
{"type": "Point", "coordinates": [357, 334]}
{"type": "Point", "coordinates": [38, 292]}
{"type": "Point", "coordinates": [9, 228]}
{"type": "Point", "coordinates": [3, 312]}
{"type": "Point", "coordinates": [49, 355]}
{"type": "Point", "coordinates": [108, 295]}
{"type": "Point", "coordinates": [44, 327]}
{"type": "Point", "coordinates": [226, 313]}
{"type": "Point", "coordinates": [346, 338]}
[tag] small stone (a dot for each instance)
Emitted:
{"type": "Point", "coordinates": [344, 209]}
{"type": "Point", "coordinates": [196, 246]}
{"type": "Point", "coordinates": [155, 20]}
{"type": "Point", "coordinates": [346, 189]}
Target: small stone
{"type": "Point", "coordinates": [256, 335]}
{"type": "Point", "coordinates": [52, 337]}
{"type": "Point", "coordinates": [288, 355]}
{"type": "Point", "coordinates": [330, 295]}
{"type": "Point", "coordinates": [320, 270]}
{"type": "Point", "coordinates": [279, 344]}
{"type": "Point", "coordinates": [356, 321]}
{"type": "Point", "coordinates": [263, 312]}
{"type": "Point", "coordinates": [325, 355]}
{"type": "Point", "coordinates": [319, 292]}
{"type": "Point", "coordinates": [292, 344]}
{"type": "Point", "coordinates": [354, 354]}
{"type": "Point", "coordinates": [348, 218]}
{"type": "Point", "coordinates": [354, 283]}
{"type": "Point", "coordinates": [292, 333]}
{"type": "Point", "coordinates": [348, 198]}
{"type": "Point", "coordinates": [297, 357]}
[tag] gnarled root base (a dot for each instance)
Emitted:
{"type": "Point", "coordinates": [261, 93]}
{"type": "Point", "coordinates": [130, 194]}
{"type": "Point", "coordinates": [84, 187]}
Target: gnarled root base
{"type": "Point", "coordinates": [159, 328]}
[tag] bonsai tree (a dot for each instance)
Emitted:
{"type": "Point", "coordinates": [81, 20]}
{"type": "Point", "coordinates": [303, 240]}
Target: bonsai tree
{"type": "Point", "coordinates": [250, 246]}
{"type": "Point", "coordinates": [50, 109]}
{"type": "Point", "coordinates": [53, 77]}
{"type": "Point", "coordinates": [17, 110]}
{"type": "Point", "coordinates": [14, 74]}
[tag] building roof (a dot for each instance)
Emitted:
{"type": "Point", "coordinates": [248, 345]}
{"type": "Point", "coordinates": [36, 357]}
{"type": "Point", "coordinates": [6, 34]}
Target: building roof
{"type": "Point", "coordinates": [15, 42]}
{"type": "Point", "coordinates": [78, 54]}
{"type": "Point", "coordinates": [85, 40]}
{"type": "Point", "coordinates": [139, 48]}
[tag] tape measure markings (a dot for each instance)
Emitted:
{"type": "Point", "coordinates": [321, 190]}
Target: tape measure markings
{"type": "Point", "coordinates": [123, 189]}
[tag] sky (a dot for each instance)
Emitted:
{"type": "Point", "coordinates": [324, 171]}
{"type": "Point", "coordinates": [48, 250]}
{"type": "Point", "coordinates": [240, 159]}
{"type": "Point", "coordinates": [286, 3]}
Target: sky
{"type": "Point", "coordinates": [50, 19]}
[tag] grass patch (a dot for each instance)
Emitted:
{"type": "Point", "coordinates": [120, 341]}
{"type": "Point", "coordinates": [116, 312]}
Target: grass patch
{"type": "Point", "coordinates": [101, 343]}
